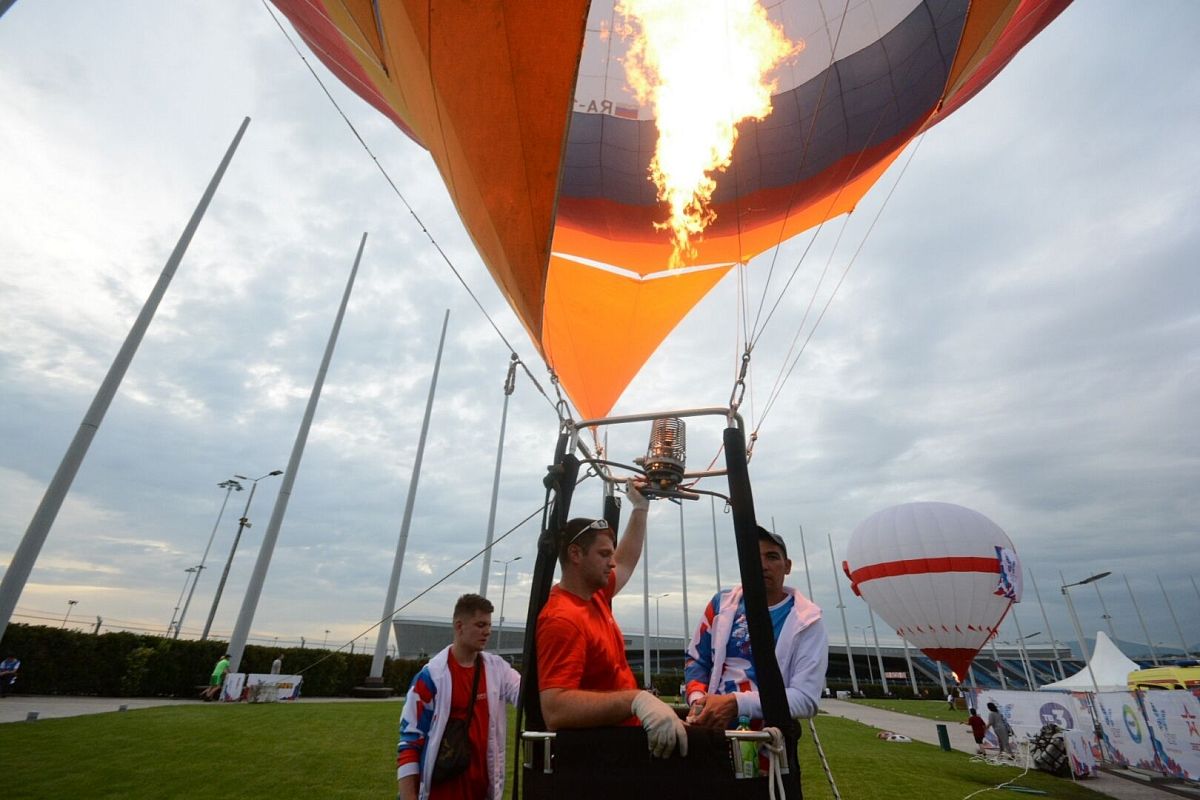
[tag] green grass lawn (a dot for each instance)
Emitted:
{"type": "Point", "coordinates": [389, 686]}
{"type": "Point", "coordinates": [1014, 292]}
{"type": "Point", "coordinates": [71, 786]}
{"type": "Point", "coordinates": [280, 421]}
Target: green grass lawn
{"type": "Point", "coordinates": [929, 709]}
{"type": "Point", "coordinates": [866, 767]}
{"type": "Point", "coordinates": [347, 750]}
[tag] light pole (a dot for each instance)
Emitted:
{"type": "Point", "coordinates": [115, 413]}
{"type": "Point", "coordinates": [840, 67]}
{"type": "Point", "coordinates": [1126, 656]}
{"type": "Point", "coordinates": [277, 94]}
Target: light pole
{"type": "Point", "coordinates": [503, 591]}
{"type": "Point", "coordinates": [1075, 620]}
{"type": "Point", "coordinates": [229, 486]}
{"type": "Point", "coordinates": [70, 605]}
{"type": "Point", "coordinates": [325, 641]}
{"type": "Point", "coordinates": [243, 523]}
{"type": "Point", "coordinates": [658, 633]}
{"type": "Point", "coordinates": [173, 625]}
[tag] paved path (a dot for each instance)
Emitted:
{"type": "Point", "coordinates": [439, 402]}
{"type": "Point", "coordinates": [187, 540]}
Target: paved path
{"type": "Point", "coordinates": [925, 730]}
{"type": "Point", "coordinates": [16, 708]}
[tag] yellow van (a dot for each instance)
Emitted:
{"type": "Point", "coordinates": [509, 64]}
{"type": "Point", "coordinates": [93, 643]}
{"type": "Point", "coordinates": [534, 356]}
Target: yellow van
{"type": "Point", "coordinates": [1165, 678]}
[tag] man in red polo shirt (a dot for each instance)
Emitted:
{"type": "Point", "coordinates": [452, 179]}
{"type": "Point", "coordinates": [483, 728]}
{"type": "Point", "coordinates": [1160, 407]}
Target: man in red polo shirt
{"type": "Point", "coordinates": [583, 676]}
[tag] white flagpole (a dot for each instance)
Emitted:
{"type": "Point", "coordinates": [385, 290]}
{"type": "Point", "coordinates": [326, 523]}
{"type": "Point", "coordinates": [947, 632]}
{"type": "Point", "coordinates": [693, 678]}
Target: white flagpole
{"type": "Point", "coordinates": [27, 552]}
{"type": "Point", "coordinates": [241, 629]}
{"type": "Point", "coordinates": [509, 383]}
{"type": "Point", "coordinates": [389, 604]}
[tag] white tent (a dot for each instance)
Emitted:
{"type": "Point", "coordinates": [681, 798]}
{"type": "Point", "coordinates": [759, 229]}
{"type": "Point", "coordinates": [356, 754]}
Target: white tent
{"type": "Point", "coordinates": [1110, 666]}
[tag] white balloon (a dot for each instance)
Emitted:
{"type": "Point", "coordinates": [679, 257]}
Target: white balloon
{"type": "Point", "coordinates": [941, 575]}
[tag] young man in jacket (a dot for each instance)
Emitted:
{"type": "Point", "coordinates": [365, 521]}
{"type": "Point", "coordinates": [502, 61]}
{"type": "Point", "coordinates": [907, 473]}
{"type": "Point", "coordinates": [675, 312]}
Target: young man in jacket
{"type": "Point", "coordinates": [719, 665]}
{"type": "Point", "coordinates": [441, 691]}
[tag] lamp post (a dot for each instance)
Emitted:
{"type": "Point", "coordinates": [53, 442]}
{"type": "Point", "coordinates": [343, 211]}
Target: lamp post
{"type": "Point", "coordinates": [658, 633]}
{"type": "Point", "coordinates": [229, 486]}
{"type": "Point", "coordinates": [1075, 620]}
{"type": "Point", "coordinates": [243, 523]}
{"type": "Point", "coordinates": [503, 591]}
{"type": "Point", "coordinates": [325, 641]}
{"type": "Point", "coordinates": [173, 625]}
{"type": "Point", "coordinates": [70, 605]}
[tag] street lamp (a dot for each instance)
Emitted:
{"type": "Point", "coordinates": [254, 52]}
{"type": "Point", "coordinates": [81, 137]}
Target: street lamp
{"type": "Point", "coordinates": [229, 486]}
{"type": "Point", "coordinates": [70, 605]}
{"type": "Point", "coordinates": [1075, 620]}
{"type": "Point", "coordinates": [503, 591]}
{"type": "Point", "coordinates": [658, 633]}
{"type": "Point", "coordinates": [325, 641]}
{"type": "Point", "coordinates": [243, 523]}
{"type": "Point", "coordinates": [173, 625]}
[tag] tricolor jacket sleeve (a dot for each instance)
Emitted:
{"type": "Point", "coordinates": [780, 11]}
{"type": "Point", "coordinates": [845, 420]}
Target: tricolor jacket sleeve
{"type": "Point", "coordinates": [698, 659]}
{"type": "Point", "coordinates": [415, 721]}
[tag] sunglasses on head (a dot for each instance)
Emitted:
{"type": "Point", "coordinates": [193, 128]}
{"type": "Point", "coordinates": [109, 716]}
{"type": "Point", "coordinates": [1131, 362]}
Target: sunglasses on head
{"type": "Point", "coordinates": [594, 525]}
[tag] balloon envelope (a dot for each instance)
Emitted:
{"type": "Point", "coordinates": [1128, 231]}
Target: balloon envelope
{"type": "Point", "coordinates": [941, 575]}
{"type": "Point", "coordinates": [545, 150]}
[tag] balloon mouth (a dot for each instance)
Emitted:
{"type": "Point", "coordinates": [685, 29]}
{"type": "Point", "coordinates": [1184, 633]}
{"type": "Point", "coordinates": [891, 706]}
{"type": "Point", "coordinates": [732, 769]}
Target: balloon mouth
{"type": "Point", "coordinates": [957, 658]}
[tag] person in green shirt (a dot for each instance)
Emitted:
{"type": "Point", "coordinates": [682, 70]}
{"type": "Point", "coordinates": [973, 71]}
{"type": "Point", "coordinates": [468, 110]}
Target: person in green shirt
{"type": "Point", "coordinates": [218, 677]}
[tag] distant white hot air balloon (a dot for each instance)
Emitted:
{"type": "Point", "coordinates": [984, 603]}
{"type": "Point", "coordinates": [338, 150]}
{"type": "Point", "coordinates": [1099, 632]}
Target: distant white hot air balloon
{"type": "Point", "coordinates": [941, 575]}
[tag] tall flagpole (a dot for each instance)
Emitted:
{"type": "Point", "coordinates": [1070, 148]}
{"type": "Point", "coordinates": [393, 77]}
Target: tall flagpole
{"type": "Point", "coordinates": [510, 382]}
{"type": "Point", "coordinates": [804, 552]}
{"type": "Point", "coordinates": [712, 504]}
{"type": "Point", "coordinates": [845, 628]}
{"type": "Point", "coordinates": [241, 629]}
{"type": "Point", "coordinates": [27, 552]}
{"type": "Point", "coordinates": [389, 604]}
{"type": "Point", "coordinates": [646, 610]}
{"type": "Point", "coordinates": [1167, 600]}
{"type": "Point", "coordinates": [687, 631]}
{"type": "Point", "coordinates": [1142, 620]}
{"type": "Point", "coordinates": [1062, 673]}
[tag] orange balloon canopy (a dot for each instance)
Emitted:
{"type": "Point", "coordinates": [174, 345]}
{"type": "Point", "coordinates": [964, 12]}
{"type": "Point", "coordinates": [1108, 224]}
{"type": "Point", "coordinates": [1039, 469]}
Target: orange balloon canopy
{"type": "Point", "coordinates": [545, 150]}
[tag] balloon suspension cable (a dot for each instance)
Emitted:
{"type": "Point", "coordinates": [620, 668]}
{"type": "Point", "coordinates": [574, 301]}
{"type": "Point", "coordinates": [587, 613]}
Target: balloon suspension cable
{"type": "Point", "coordinates": [841, 279]}
{"type": "Point", "coordinates": [808, 138]}
{"type": "Point", "coordinates": [412, 212]}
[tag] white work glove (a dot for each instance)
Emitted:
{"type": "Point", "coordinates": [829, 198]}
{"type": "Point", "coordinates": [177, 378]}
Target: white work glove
{"type": "Point", "coordinates": [636, 499]}
{"type": "Point", "coordinates": [664, 729]}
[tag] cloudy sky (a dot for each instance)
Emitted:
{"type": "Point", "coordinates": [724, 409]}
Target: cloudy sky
{"type": "Point", "coordinates": [1020, 334]}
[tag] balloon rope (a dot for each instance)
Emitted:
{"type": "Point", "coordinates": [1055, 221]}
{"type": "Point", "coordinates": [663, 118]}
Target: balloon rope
{"type": "Point", "coordinates": [833, 294]}
{"type": "Point", "coordinates": [411, 210]}
{"type": "Point", "coordinates": [799, 169]}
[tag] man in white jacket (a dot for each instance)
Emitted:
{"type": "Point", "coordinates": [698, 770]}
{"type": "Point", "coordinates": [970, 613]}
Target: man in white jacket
{"type": "Point", "coordinates": [719, 665]}
{"type": "Point", "coordinates": [442, 691]}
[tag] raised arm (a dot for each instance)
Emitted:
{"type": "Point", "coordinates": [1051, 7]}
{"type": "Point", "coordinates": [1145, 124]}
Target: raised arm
{"type": "Point", "coordinates": [629, 550]}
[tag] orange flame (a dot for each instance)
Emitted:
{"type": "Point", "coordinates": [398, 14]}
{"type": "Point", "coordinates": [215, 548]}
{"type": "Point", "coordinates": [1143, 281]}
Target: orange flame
{"type": "Point", "coordinates": [702, 66]}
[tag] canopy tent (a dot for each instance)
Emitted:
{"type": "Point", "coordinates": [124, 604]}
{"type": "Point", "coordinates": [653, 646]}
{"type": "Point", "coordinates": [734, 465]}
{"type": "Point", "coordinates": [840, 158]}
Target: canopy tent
{"type": "Point", "coordinates": [1110, 666]}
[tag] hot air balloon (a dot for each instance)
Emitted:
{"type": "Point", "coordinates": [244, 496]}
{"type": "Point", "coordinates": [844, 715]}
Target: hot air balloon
{"type": "Point", "coordinates": [941, 575]}
{"type": "Point", "coordinates": [558, 130]}
{"type": "Point", "coordinates": [545, 148]}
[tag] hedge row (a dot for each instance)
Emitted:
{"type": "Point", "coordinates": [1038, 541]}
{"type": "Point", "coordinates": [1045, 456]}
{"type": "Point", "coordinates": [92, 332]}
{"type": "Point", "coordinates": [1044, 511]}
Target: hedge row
{"type": "Point", "coordinates": [57, 661]}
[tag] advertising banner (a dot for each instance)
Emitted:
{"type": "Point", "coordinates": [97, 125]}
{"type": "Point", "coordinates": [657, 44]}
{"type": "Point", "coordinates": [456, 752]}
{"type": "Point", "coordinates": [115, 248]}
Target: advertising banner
{"type": "Point", "coordinates": [231, 690]}
{"type": "Point", "coordinates": [1126, 738]}
{"type": "Point", "coordinates": [1027, 712]}
{"type": "Point", "coordinates": [1173, 719]}
{"type": "Point", "coordinates": [260, 687]}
